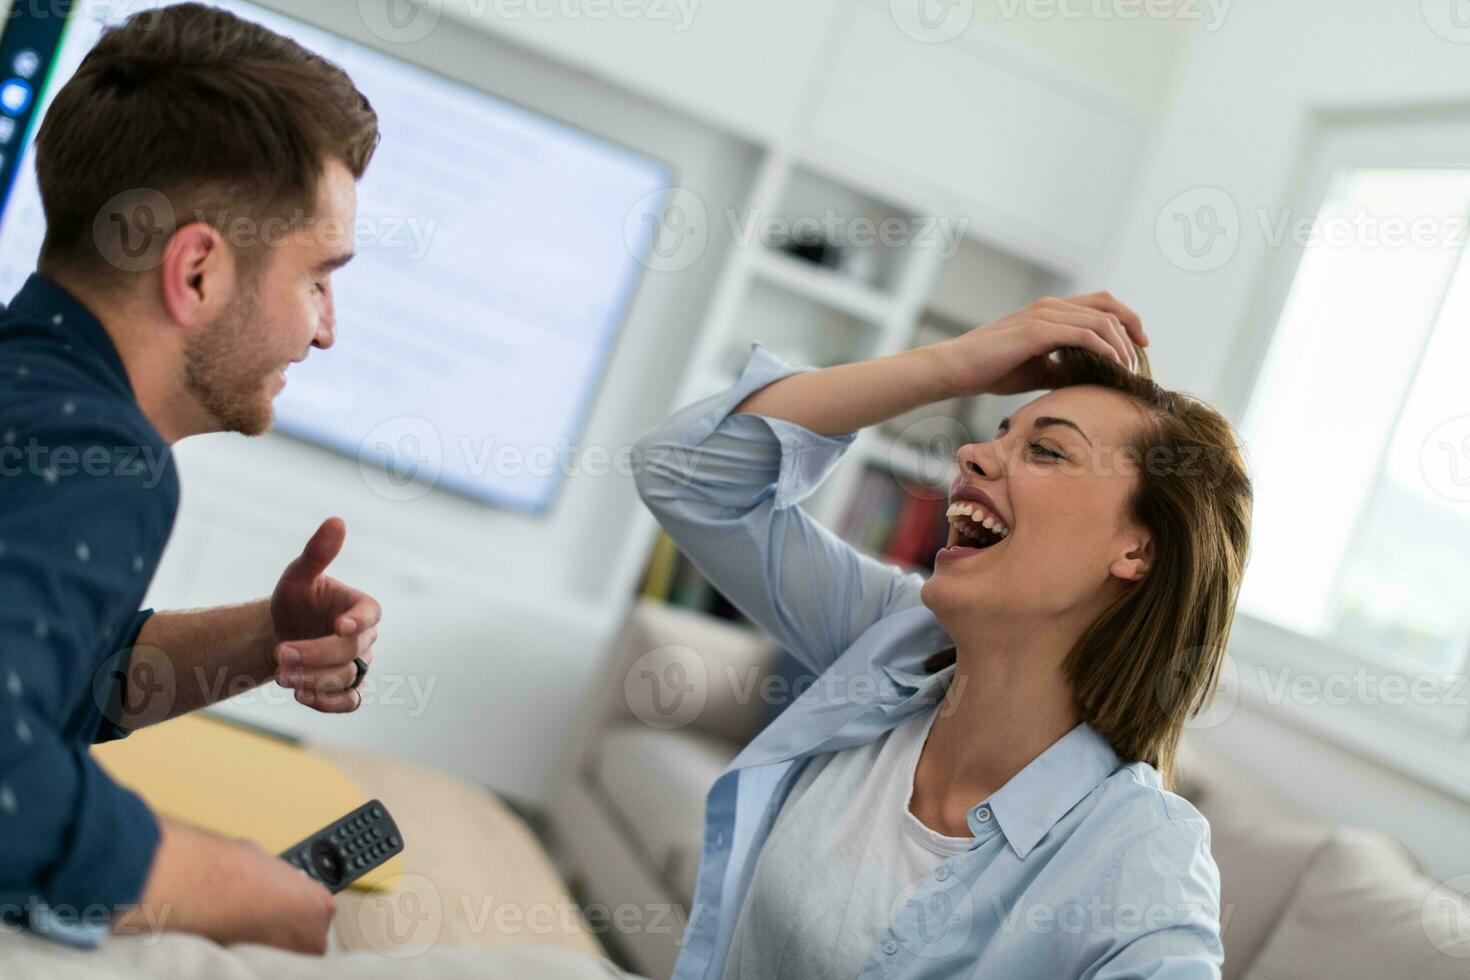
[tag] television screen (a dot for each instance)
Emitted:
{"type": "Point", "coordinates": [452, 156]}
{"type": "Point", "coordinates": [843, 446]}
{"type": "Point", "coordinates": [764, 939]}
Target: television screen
{"type": "Point", "coordinates": [497, 253]}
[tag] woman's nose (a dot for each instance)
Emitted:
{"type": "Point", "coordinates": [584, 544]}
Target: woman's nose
{"type": "Point", "coordinates": [978, 459]}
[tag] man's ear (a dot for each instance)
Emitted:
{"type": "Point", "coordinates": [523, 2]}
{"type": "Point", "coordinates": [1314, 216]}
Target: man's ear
{"type": "Point", "coordinates": [1133, 566]}
{"type": "Point", "coordinates": [198, 275]}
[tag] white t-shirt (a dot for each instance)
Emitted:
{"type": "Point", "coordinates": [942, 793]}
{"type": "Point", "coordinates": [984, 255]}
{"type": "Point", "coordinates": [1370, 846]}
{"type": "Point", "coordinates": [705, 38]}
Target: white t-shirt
{"type": "Point", "coordinates": [843, 857]}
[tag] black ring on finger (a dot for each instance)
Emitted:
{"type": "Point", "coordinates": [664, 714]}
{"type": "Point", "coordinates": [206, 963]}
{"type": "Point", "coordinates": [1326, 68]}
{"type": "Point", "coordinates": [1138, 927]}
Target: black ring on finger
{"type": "Point", "coordinates": [362, 669]}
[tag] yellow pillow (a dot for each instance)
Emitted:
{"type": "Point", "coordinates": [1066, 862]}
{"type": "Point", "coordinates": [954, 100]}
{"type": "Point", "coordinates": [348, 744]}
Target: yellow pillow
{"type": "Point", "coordinates": [236, 781]}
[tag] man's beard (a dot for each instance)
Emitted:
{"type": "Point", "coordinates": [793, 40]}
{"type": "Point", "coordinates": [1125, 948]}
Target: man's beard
{"type": "Point", "coordinates": [223, 370]}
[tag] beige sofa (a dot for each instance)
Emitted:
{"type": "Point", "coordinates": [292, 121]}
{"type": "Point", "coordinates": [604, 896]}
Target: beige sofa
{"type": "Point", "coordinates": [1300, 898]}
{"type": "Point", "coordinates": [475, 897]}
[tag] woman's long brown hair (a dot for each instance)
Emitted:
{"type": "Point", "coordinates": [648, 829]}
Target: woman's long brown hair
{"type": "Point", "coordinates": [1152, 659]}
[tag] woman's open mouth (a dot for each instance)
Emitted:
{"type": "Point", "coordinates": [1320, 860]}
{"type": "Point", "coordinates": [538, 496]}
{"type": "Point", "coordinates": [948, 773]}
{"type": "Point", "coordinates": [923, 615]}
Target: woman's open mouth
{"type": "Point", "coordinates": [972, 529]}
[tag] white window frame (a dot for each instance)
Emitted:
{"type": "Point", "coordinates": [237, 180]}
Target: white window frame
{"type": "Point", "coordinates": [1430, 742]}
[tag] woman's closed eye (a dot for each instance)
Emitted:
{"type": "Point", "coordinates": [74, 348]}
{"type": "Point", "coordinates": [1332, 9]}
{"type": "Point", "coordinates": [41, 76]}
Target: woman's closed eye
{"type": "Point", "coordinates": [1037, 449]}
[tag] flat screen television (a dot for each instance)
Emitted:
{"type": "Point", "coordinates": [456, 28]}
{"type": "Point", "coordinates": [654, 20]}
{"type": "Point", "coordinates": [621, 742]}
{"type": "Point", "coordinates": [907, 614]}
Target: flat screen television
{"type": "Point", "coordinates": [498, 252]}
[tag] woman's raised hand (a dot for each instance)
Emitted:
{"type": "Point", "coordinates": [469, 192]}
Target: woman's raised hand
{"type": "Point", "coordinates": [1010, 355]}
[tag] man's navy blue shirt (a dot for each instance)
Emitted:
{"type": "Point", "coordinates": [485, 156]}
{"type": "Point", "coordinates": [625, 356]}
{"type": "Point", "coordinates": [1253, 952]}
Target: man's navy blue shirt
{"type": "Point", "coordinates": [88, 496]}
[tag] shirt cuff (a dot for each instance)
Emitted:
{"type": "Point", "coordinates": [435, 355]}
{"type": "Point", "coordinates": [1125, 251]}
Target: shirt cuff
{"type": "Point", "coordinates": [111, 707]}
{"type": "Point", "coordinates": [106, 865]}
{"type": "Point", "coordinates": [806, 457]}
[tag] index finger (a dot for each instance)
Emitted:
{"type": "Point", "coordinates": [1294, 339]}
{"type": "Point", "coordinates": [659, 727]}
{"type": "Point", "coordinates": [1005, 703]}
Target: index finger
{"type": "Point", "coordinates": [1107, 302]}
{"type": "Point", "coordinates": [364, 614]}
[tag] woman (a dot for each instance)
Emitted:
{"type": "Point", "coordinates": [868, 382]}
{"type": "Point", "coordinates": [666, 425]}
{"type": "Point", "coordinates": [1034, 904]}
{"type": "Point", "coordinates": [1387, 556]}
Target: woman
{"type": "Point", "coordinates": [981, 786]}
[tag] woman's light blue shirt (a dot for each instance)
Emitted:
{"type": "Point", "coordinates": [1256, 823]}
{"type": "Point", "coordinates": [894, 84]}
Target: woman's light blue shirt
{"type": "Point", "coordinates": [1082, 866]}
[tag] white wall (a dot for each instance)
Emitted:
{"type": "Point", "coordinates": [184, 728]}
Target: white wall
{"type": "Point", "coordinates": [1239, 122]}
{"type": "Point", "coordinates": [1132, 57]}
{"type": "Point", "coordinates": [505, 615]}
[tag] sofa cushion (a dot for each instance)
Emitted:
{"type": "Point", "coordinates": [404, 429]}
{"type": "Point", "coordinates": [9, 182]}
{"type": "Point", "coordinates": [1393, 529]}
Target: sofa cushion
{"type": "Point", "coordinates": [473, 873]}
{"type": "Point", "coordinates": [657, 781]}
{"type": "Point", "coordinates": [1261, 844]}
{"type": "Point", "coordinates": [725, 663]}
{"type": "Point", "coordinates": [1363, 911]}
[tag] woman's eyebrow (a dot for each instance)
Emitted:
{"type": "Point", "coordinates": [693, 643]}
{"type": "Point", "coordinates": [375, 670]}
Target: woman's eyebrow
{"type": "Point", "coordinates": [1043, 421]}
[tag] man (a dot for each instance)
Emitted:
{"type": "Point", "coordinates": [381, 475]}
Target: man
{"type": "Point", "coordinates": [193, 173]}
{"type": "Point", "coordinates": [198, 177]}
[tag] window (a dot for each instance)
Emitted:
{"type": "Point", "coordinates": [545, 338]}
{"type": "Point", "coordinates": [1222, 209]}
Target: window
{"type": "Point", "coordinates": [1358, 431]}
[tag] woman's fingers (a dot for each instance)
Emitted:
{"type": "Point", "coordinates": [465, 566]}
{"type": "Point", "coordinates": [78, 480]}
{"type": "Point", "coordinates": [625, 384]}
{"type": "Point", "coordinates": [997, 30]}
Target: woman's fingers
{"type": "Point", "coordinates": [1055, 335]}
{"type": "Point", "coordinates": [1108, 303]}
{"type": "Point", "coordinates": [1104, 326]}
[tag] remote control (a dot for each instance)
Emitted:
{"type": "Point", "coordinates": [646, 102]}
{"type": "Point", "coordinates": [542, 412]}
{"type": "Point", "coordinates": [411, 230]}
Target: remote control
{"type": "Point", "coordinates": [344, 851]}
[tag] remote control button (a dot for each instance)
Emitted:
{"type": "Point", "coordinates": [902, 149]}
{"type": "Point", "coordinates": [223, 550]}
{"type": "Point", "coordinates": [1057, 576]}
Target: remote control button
{"type": "Point", "coordinates": [377, 813]}
{"type": "Point", "coordinates": [377, 833]}
{"type": "Point", "coordinates": [393, 841]}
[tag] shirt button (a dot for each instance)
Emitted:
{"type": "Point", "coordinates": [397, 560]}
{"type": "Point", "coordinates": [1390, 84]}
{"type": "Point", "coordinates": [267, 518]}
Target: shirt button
{"type": "Point", "coordinates": [983, 814]}
{"type": "Point", "coordinates": [890, 947]}
{"type": "Point", "coordinates": [942, 874]}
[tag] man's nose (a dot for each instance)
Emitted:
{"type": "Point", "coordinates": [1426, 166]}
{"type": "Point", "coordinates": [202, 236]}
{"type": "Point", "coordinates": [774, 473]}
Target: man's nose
{"type": "Point", "coordinates": [326, 333]}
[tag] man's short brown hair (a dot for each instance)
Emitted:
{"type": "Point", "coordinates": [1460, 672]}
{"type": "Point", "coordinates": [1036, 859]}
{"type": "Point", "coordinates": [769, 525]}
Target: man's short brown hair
{"type": "Point", "coordinates": [214, 113]}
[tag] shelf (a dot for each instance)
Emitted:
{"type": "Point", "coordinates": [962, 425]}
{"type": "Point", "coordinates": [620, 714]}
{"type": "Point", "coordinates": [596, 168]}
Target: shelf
{"type": "Point", "coordinates": [825, 287]}
{"type": "Point", "coordinates": [904, 460]}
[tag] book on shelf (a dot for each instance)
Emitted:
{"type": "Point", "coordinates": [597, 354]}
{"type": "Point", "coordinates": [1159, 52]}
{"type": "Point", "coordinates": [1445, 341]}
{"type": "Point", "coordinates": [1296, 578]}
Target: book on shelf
{"type": "Point", "coordinates": [673, 577]}
{"type": "Point", "coordinates": [896, 520]}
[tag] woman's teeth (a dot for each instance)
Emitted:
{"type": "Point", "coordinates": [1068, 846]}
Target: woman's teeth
{"type": "Point", "coordinates": [973, 521]}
